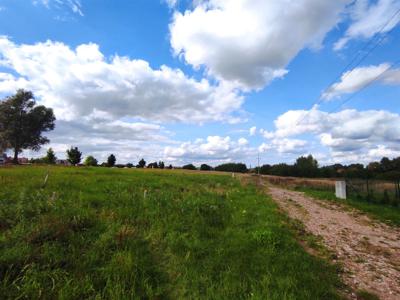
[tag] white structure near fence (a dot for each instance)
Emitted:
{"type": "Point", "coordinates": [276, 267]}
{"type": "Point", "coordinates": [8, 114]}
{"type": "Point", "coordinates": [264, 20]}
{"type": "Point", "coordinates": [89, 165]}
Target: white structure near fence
{"type": "Point", "coordinates": [340, 189]}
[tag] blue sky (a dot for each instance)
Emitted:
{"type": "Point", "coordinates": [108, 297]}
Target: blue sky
{"type": "Point", "coordinates": [209, 81]}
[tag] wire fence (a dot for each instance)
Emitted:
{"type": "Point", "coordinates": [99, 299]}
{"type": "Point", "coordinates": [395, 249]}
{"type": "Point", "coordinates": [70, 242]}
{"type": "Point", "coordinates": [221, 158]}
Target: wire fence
{"type": "Point", "coordinates": [385, 192]}
{"type": "Point", "coordinates": [378, 191]}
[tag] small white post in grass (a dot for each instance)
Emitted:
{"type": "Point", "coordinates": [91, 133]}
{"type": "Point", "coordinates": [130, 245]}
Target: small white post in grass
{"type": "Point", "coordinates": [233, 175]}
{"type": "Point", "coordinates": [340, 189]}
{"type": "Point", "coordinates": [45, 180]}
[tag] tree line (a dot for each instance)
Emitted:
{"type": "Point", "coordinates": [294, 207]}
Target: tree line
{"type": "Point", "coordinates": [307, 166]}
{"type": "Point", "coordinates": [22, 124]}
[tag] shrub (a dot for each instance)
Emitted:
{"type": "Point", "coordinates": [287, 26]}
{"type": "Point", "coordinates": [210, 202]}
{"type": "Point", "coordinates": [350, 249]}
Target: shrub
{"type": "Point", "coordinates": [232, 167]}
{"type": "Point", "coordinates": [205, 167]}
{"type": "Point", "coordinates": [189, 167]}
{"type": "Point", "coordinates": [90, 161]}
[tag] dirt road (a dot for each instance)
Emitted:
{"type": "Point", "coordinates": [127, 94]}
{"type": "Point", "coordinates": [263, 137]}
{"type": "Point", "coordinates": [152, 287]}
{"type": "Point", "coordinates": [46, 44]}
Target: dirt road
{"type": "Point", "coordinates": [368, 250]}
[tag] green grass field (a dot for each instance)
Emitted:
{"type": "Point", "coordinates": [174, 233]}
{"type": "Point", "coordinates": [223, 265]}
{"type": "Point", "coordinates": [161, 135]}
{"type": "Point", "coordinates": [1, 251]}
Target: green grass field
{"type": "Point", "coordinates": [385, 213]}
{"type": "Point", "coordinates": [98, 233]}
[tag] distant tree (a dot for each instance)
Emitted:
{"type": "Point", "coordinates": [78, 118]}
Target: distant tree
{"type": "Point", "coordinates": [189, 167]}
{"type": "Point", "coordinates": [355, 171]}
{"type": "Point", "coordinates": [282, 169]}
{"type": "Point", "coordinates": [153, 165]}
{"type": "Point", "coordinates": [129, 165]}
{"type": "Point", "coordinates": [170, 167]}
{"type": "Point", "coordinates": [265, 169]}
{"type": "Point", "coordinates": [90, 161]}
{"type": "Point", "coordinates": [306, 166]}
{"type": "Point", "coordinates": [50, 157]}
{"type": "Point", "coordinates": [38, 160]}
{"type": "Point", "coordinates": [232, 167]}
{"type": "Point", "coordinates": [74, 156]}
{"type": "Point", "coordinates": [141, 164]}
{"type": "Point", "coordinates": [386, 164]}
{"type": "Point", "coordinates": [328, 172]}
{"type": "Point", "coordinates": [111, 160]}
{"type": "Point", "coordinates": [161, 165]}
{"type": "Point", "coordinates": [22, 123]}
{"type": "Point", "coordinates": [205, 167]}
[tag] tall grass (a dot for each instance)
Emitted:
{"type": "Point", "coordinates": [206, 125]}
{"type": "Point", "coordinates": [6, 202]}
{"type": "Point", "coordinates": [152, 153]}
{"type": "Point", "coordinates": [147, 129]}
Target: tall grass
{"type": "Point", "coordinates": [94, 233]}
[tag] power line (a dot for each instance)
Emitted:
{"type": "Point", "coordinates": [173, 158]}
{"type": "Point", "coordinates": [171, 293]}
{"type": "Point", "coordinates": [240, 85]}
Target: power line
{"type": "Point", "coordinates": [379, 39]}
{"type": "Point", "coordinates": [365, 86]}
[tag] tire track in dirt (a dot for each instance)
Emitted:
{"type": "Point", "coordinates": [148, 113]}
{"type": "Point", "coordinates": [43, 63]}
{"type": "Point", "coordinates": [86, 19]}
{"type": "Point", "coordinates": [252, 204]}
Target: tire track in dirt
{"type": "Point", "coordinates": [369, 251]}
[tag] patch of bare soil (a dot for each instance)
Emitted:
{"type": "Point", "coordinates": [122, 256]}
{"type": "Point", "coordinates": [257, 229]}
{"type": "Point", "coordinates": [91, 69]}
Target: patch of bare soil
{"type": "Point", "coordinates": [369, 251]}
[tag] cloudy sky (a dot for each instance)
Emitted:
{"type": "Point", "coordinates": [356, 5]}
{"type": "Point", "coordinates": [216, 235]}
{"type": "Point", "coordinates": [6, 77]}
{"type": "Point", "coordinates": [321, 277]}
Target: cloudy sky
{"type": "Point", "coordinates": [210, 81]}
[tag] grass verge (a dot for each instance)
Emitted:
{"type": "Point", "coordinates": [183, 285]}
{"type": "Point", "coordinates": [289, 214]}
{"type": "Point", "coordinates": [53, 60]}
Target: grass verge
{"type": "Point", "coordinates": [387, 214]}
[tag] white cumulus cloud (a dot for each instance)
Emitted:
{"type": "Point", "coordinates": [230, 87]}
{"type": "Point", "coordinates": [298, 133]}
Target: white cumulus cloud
{"type": "Point", "coordinates": [77, 82]}
{"type": "Point", "coordinates": [358, 78]}
{"type": "Point", "coordinates": [250, 42]}
{"type": "Point", "coordinates": [214, 150]}
{"type": "Point", "coordinates": [357, 133]}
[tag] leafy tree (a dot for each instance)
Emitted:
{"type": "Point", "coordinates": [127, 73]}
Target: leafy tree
{"type": "Point", "coordinates": [141, 164]}
{"type": "Point", "coordinates": [189, 167]}
{"type": "Point", "coordinates": [205, 167]}
{"type": "Point", "coordinates": [74, 156]}
{"type": "Point", "coordinates": [50, 157]}
{"type": "Point", "coordinates": [22, 123]}
{"type": "Point", "coordinates": [111, 160]}
{"type": "Point", "coordinates": [129, 165]}
{"type": "Point", "coordinates": [265, 169]}
{"type": "Point", "coordinates": [161, 165]}
{"type": "Point", "coordinates": [38, 160]}
{"type": "Point", "coordinates": [232, 167]}
{"type": "Point", "coordinates": [306, 166]}
{"type": "Point", "coordinates": [170, 167]}
{"type": "Point", "coordinates": [386, 164]}
{"type": "Point", "coordinates": [282, 169]}
{"type": "Point", "coordinates": [153, 165]}
{"type": "Point", "coordinates": [90, 161]}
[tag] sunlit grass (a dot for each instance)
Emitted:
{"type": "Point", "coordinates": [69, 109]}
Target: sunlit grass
{"type": "Point", "coordinates": [131, 234]}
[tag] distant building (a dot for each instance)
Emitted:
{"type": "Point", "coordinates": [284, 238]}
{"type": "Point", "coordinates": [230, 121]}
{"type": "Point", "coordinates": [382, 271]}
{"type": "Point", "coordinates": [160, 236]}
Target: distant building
{"type": "Point", "coordinates": [23, 160]}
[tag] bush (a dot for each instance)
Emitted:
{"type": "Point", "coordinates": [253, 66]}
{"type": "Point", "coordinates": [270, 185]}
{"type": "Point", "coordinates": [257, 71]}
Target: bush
{"type": "Point", "coordinates": [232, 167]}
{"type": "Point", "coordinates": [90, 161]}
{"type": "Point", "coordinates": [205, 167]}
{"type": "Point", "coordinates": [189, 167]}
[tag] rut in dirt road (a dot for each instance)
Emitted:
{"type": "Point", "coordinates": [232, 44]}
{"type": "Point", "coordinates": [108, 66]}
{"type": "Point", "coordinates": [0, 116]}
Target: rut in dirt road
{"type": "Point", "coordinates": [368, 250]}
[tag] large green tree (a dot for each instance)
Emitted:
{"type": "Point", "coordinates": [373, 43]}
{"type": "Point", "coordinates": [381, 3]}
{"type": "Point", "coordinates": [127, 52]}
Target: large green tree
{"type": "Point", "coordinates": [22, 123]}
